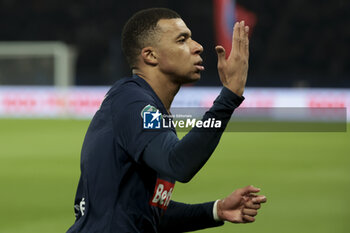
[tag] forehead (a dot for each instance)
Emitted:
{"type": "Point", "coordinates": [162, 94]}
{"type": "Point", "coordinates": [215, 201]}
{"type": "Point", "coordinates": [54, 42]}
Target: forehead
{"type": "Point", "coordinates": [173, 27]}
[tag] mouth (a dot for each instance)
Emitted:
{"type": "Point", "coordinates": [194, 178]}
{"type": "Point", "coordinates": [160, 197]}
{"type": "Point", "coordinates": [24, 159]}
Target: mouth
{"type": "Point", "coordinates": [199, 65]}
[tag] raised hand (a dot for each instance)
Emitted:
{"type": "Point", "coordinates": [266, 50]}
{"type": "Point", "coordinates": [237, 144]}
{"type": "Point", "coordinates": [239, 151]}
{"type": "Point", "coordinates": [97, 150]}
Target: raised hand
{"type": "Point", "coordinates": [233, 70]}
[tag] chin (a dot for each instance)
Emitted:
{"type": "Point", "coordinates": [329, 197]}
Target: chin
{"type": "Point", "coordinates": [188, 79]}
{"type": "Point", "coordinates": [193, 78]}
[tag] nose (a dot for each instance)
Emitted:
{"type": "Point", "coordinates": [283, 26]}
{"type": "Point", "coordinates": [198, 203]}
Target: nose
{"type": "Point", "coordinates": [197, 48]}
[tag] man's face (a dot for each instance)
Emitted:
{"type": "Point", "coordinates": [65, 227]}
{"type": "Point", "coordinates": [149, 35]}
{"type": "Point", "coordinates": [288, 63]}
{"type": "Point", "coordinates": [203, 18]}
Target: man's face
{"type": "Point", "coordinates": [177, 54]}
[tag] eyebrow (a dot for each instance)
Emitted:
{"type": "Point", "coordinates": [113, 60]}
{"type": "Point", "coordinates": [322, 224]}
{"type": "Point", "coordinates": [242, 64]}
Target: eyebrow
{"type": "Point", "coordinates": [184, 34]}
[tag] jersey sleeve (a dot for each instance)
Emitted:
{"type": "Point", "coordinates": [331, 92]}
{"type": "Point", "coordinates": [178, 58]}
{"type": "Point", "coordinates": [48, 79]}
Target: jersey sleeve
{"type": "Point", "coordinates": [128, 122]}
{"type": "Point", "coordinates": [181, 217]}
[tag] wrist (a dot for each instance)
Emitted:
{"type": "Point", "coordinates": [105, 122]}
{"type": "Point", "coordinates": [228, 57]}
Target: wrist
{"type": "Point", "coordinates": [237, 91]}
{"type": "Point", "coordinates": [228, 98]}
{"type": "Point", "coordinates": [217, 211]}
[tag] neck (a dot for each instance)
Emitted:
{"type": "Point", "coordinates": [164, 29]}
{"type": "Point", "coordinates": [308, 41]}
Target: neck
{"type": "Point", "coordinates": [164, 88]}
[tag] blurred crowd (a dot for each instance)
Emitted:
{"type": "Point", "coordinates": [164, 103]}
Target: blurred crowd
{"type": "Point", "coordinates": [293, 43]}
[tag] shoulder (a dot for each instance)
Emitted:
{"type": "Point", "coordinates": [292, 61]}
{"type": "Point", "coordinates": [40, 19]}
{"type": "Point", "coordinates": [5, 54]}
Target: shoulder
{"type": "Point", "coordinates": [130, 96]}
{"type": "Point", "coordinates": [129, 90]}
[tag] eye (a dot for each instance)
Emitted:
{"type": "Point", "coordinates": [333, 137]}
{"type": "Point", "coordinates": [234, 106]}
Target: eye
{"type": "Point", "coordinates": [182, 40]}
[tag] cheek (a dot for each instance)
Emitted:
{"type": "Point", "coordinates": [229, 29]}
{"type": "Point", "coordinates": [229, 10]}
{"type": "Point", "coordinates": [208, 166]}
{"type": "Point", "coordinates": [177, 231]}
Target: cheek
{"type": "Point", "coordinates": [166, 64]}
{"type": "Point", "coordinates": [178, 65]}
{"type": "Point", "coordinates": [170, 60]}
{"type": "Point", "coordinates": [174, 60]}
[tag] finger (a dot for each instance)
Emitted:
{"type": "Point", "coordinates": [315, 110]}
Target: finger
{"type": "Point", "coordinates": [251, 205]}
{"type": "Point", "coordinates": [241, 37]}
{"type": "Point", "coordinates": [246, 40]}
{"type": "Point", "coordinates": [235, 39]}
{"type": "Point", "coordinates": [241, 30]}
{"type": "Point", "coordinates": [250, 212]}
{"type": "Point", "coordinates": [248, 218]}
{"type": "Point", "coordinates": [247, 190]}
{"type": "Point", "coordinates": [220, 51]}
{"type": "Point", "coordinates": [259, 199]}
{"type": "Point", "coordinates": [221, 62]}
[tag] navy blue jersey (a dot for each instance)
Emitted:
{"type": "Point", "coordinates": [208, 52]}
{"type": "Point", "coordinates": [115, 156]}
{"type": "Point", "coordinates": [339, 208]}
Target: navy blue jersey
{"type": "Point", "coordinates": [128, 173]}
{"type": "Point", "coordinates": [116, 192]}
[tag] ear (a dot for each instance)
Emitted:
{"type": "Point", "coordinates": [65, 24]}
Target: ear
{"type": "Point", "coordinates": [149, 56]}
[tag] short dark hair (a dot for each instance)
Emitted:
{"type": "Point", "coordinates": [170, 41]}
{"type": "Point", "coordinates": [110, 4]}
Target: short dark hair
{"type": "Point", "coordinates": [139, 31]}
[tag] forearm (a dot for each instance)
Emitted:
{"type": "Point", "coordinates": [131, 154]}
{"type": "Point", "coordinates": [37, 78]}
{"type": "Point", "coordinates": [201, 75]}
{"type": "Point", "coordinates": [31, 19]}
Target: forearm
{"type": "Point", "coordinates": [181, 217]}
{"type": "Point", "coordinates": [197, 146]}
{"type": "Point", "coordinates": [182, 159]}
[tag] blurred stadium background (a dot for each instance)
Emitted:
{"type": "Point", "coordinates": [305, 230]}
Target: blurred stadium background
{"type": "Point", "coordinates": [57, 59]}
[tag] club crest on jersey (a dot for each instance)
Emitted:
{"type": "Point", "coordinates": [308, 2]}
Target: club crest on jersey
{"type": "Point", "coordinates": [162, 194]}
{"type": "Point", "coordinates": [151, 117]}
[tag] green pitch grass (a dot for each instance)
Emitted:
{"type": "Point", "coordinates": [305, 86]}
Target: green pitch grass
{"type": "Point", "coordinates": [305, 176]}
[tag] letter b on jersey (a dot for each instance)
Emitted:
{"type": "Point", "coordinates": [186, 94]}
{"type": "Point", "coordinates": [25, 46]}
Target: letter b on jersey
{"type": "Point", "coordinates": [162, 194]}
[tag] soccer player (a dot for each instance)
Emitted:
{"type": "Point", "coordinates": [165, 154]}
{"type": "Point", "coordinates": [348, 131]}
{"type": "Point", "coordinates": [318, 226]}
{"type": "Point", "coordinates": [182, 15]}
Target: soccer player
{"type": "Point", "coordinates": [128, 172]}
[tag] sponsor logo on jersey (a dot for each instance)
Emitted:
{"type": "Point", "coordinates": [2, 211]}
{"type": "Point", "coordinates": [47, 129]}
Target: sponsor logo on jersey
{"type": "Point", "coordinates": [162, 194]}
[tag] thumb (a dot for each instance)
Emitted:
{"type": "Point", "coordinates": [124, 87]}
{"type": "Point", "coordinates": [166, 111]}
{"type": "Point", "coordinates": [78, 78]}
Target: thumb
{"type": "Point", "coordinates": [249, 189]}
{"type": "Point", "coordinates": [220, 51]}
